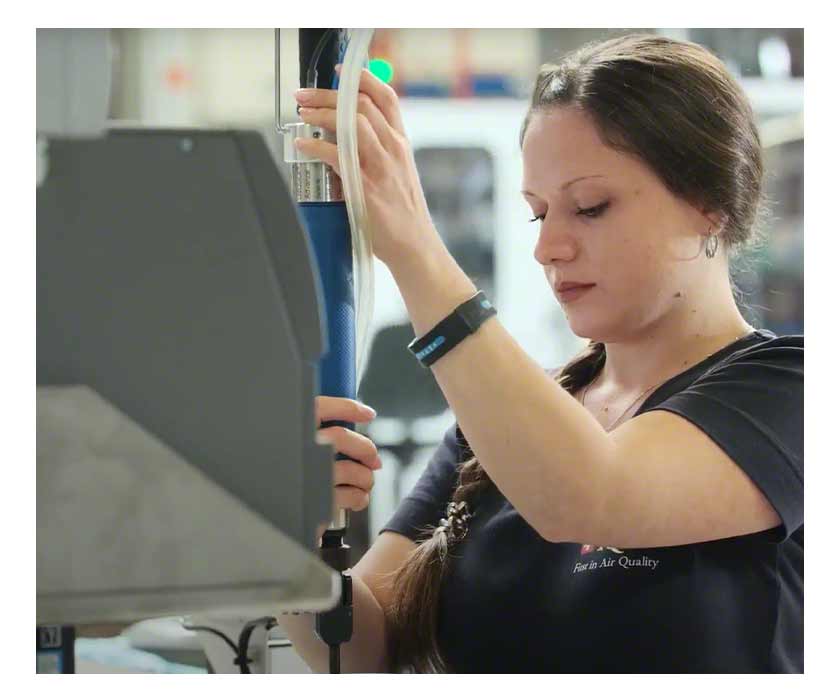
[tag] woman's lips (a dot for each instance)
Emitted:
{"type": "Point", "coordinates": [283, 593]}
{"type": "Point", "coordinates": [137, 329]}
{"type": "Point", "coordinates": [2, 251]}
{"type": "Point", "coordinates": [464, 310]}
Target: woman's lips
{"type": "Point", "coordinates": [574, 293]}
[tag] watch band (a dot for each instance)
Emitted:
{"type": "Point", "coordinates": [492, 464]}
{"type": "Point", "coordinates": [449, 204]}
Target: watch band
{"type": "Point", "coordinates": [462, 322]}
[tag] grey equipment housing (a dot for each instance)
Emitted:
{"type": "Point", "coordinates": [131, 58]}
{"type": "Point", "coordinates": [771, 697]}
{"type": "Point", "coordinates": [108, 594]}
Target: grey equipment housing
{"type": "Point", "coordinates": [179, 327]}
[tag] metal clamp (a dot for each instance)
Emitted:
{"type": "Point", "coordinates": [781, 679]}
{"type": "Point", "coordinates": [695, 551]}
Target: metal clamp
{"type": "Point", "coordinates": [312, 179]}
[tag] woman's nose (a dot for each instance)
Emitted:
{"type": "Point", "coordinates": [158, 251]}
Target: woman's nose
{"type": "Point", "coordinates": [554, 245]}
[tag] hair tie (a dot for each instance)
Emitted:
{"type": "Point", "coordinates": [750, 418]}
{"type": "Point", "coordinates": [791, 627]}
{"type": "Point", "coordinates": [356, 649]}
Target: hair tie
{"type": "Point", "coordinates": [455, 522]}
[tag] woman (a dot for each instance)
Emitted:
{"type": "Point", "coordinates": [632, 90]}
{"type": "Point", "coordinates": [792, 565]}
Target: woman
{"type": "Point", "coordinates": [641, 509]}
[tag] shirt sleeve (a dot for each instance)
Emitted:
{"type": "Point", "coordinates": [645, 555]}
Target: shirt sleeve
{"type": "Point", "coordinates": [426, 503]}
{"type": "Point", "coordinates": [751, 405]}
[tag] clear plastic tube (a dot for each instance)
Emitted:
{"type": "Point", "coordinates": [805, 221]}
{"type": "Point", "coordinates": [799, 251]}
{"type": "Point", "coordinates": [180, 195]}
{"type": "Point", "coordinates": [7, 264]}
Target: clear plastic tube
{"type": "Point", "coordinates": [351, 180]}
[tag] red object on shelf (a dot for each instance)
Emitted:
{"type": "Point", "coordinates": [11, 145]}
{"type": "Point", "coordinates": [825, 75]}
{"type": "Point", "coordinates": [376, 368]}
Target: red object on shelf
{"type": "Point", "coordinates": [177, 78]}
{"type": "Point", "coordinates": [463, 73]}
{"type": "Point", "coordinates": [382, 46]}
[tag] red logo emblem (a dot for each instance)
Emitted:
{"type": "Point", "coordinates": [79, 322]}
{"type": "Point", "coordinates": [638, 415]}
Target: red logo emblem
{"type": "Point", "coordinates": [590, 548]}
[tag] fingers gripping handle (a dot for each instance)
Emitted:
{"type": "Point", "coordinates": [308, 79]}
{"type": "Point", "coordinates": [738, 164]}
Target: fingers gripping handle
{"type": "Point", "coordinates": [340, 515]}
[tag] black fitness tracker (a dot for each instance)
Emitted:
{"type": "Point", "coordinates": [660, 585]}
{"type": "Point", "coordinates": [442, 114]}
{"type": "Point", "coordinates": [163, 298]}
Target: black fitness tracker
{"type": "Point", "coordinates": [462, 322]}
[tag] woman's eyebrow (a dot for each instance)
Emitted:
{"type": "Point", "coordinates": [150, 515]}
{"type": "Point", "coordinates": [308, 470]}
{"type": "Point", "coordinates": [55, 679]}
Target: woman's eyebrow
{"type": "Point", "coordinates": [566, 184]}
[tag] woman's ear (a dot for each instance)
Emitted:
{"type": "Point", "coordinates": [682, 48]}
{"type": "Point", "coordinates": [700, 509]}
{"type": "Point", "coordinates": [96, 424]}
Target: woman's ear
{"type": "Point", "coordinates": [715, 222]}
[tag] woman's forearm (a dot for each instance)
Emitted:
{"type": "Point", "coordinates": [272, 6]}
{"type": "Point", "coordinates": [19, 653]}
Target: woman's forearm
{"type": "Point", "coordinates": [516, 419]}
{"type": "Point", "coordinates": [366, 652]}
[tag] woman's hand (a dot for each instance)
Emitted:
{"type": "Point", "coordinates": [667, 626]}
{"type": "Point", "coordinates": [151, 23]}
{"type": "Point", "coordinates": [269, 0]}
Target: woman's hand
{"type": "Point", "coordinates": [396, 207]}
{"type": "Point", "coordinates": [353, 479]}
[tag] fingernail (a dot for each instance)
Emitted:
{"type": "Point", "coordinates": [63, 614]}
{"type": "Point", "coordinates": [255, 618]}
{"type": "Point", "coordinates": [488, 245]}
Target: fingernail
{"type": "Point", "coordinates": [338, 67]}
{"type": "Point", "coordinates": [304, 94]}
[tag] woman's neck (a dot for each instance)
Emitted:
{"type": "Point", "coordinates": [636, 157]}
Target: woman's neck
{"type": "Point", "coordinates": [670, 345]}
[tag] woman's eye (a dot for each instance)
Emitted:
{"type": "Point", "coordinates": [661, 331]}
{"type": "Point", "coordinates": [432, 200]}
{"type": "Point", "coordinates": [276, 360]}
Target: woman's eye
{"type": "Point", "coordinates": [594, 212]}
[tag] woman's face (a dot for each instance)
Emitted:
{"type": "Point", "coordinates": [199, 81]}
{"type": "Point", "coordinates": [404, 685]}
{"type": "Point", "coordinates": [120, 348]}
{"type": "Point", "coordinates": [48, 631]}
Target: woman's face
{"type": "Point", "coordinates": [609, 221]}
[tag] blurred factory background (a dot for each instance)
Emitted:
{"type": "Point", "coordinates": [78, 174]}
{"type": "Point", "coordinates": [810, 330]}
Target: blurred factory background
{"type": "Point", "coordinates": [464, 93]}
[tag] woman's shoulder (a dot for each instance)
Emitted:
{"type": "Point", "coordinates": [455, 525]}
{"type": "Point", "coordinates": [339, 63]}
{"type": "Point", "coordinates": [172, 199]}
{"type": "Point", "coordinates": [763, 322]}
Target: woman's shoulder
{"type": "Point", "coordinates": [766, 338]}
{"type": "Point", "coordinates": [764, 347]}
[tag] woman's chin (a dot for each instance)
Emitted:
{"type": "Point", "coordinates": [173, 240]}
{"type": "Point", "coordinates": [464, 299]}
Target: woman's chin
{"type": "Point", "coordinates": [595, 331]}
{"type": "Point", "coordinates": [584, 327]}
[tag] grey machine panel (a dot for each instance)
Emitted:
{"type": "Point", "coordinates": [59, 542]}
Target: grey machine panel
{"type": "Point", "coordinates": [179, 330]}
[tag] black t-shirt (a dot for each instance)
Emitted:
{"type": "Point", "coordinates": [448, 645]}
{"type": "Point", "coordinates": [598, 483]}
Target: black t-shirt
{"type": "Point", "coordinates": [513, 602]}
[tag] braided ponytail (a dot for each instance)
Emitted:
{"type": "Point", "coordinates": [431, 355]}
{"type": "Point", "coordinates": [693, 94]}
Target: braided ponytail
{"type": "Point", "coordinates": [411, 620]}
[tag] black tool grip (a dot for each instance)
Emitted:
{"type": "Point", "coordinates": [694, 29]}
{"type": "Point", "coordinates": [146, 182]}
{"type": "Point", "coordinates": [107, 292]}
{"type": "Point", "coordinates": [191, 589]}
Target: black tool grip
{"type": "Point", "coordinates": [336, 626]}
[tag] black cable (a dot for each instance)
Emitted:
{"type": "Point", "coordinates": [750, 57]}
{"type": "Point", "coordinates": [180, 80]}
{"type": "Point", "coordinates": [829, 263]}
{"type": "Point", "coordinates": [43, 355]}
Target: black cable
{"type": "Point", "coordinates": [335, 658]}
{"type": "Point", "coordinates": [242, 659]}
{"type": "Point", "coordinates": [227, 639]}
{"type": "Point", "coordinates": [240, 652]}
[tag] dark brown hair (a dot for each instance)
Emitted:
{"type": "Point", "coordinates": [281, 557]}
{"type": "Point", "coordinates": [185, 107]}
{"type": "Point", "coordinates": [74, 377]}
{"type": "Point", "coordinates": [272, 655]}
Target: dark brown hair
{"type": "Point", "coordinates": [673, 105]}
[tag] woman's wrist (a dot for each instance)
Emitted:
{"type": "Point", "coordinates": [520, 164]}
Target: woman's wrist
{"type": "Point", "coordinates": [430, 281]}
{"type": "Point", "coordinates": [423, 240]}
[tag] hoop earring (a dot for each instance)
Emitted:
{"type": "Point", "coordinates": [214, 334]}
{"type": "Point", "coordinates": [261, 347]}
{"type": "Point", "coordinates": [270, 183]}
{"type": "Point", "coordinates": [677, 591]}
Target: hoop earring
{"type": "Point", "coordinates": [711, 244]}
